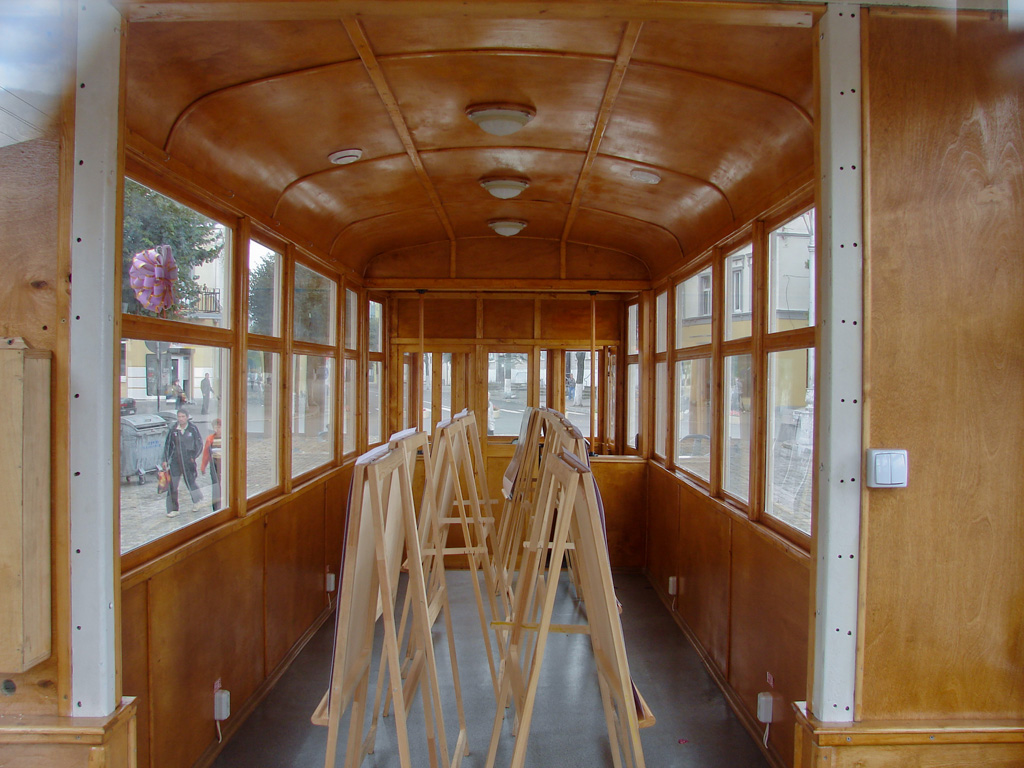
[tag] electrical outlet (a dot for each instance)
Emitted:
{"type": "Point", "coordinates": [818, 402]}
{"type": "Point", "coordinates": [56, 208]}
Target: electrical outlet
{"type": "Point", "coordinates": [221, 704]}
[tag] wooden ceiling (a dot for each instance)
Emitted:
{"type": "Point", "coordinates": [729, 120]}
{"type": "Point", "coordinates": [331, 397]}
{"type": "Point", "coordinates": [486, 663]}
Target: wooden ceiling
{"type": "Point", "coordinates": [717, 100]}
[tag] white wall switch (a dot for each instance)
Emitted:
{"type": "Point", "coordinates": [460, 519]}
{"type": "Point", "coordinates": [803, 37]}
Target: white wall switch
{"type": "Point", "coordinates": [221, 704]}
{"type": "Point", "coordinates": [886, 468]}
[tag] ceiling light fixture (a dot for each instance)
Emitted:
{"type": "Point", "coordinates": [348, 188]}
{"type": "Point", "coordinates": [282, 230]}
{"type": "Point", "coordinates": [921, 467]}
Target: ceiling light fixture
{"type": "Point", "coordinates": [345, 156]}
{"type": "Point", "coordinates": [645, 177]}
{"type": "Point", "coordinates": [506, 227]}
{"type": "Point", "coordinates": [504, 187]}
{"type": "Point", "coordinates": [500, 119]}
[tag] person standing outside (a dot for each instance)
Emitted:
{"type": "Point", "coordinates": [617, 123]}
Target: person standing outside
{"type": "Point", "coordinates": [206, 387]}
{"type": "Point", "coordinates": [211, 459]}
{"type": "Point", "coordinates": [182, 446]}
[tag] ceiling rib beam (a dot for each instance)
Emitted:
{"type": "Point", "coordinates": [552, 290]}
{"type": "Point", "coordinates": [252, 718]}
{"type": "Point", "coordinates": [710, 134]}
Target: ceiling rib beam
{"type": "Point", "coordinates": [611, 92]}
{"type": "Point", "coordinates": [362, 46]}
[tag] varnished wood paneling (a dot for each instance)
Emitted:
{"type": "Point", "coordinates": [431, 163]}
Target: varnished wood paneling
{"type": "Point", "coordinates": [768, 626]}
{"type": "Point", "coordinates": [335, 506]}
{"type": "Point", "coordinates": [662, 526]}
{"type": "Point", "coordinates": [135, 661]}
{"type": "Point", "coordinates": [973, 755]}
{"type": "Point", "coordinates": [522, 256]}
{"type": "Point", "coordinates": [206, 624]}
{"type": "Point", "coordinates": [564, 319]}
{"type": "Point", "coordinates": [431, 261]}
{"type": "Point", "coordinates": [704, 573]}
{"type": "Point", "coordinates": [449, 319]}
{"type": "Point", "coordinates": [587, 262]}
{"type": "Point", "coordinates": [295, 592]}
{"type": "Point", "coordinates": [508, 318]}
{"type": "Point", "coordinates": [623, 486]}
{"type": "Point", "coordinates": [943, 585]}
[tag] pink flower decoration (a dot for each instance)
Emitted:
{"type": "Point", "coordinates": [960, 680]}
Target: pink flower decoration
{"type": "Point", "coordinates": [152, 277]}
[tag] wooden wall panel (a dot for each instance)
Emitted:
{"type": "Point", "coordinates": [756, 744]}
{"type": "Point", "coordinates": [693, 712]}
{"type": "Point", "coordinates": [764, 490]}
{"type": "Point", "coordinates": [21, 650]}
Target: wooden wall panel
{"type": "Point", "coordinates": [206, 625]}
{"type": "Point", "coordinates": [943, 593]}
{"type": "Point", "coordinates": [508, 318]}
{"type": "Point", "coordinates": [928, 756]}
{"type": "Point", "coordinates": [567, 319]}
{"type": "Point", "coordinates": [769, 626]}
{"type": "Point", "coordinates": [408, 318]}
{"type": "Point", "coordinates": [295, 571]}
{"type": "Point", "coordinates": [662, 526]}
{"type": "Point", "coordinates": [703, 570]}
{"type": "Point", "coordinates": [519, 257]}
{"type": "Point", "coordinates": [135, 661]}
{"type": "Point", "coordinates": [335, 507]}
{"type": "Point", "coordinates": [430, 261]}
{"type": "Point", "coordinates": [623, 485]}
{"type": "Point", "coordinates": [449, 319]}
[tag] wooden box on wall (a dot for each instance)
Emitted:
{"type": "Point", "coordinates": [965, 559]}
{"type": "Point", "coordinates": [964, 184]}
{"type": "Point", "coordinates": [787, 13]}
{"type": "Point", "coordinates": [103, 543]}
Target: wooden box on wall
{"type": "Point", "coordinates": [24, 508]}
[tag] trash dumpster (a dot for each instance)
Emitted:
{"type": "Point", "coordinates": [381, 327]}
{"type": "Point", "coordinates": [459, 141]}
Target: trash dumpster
{"type": "Point", "coordinates": [142, 445]}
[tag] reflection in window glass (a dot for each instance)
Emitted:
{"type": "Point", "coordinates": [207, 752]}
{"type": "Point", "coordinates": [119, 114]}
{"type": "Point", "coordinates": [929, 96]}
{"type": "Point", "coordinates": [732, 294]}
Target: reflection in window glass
{"type": "Point", "coordinates": [314, 307]}
{"type": "Point", "coordinates": [693, 323]}
{"type": "Point", "coordinates": [373, 410]}
{"type": "Point", "coordinates": [374, 328]}
{"type": "Point", "coordinates": [791, 437]}
{"type": "Point", "coordinates": [163, 378]}
{"type": "Point", "coordinates": [739, 272]}
{"type": "Point", "coordinates": [261, 423]}
{"type": "Point", "coordinates": [632, 330]}
{"type": "Point", "coordinates": [661, 321]}
{"type": "Point", "coordinates": [446, 385]}
{"type": "Point", "coordinates": [543, 377]}
{"type": "Point", "coordinates": [611, 370]}
{"type": "Point", "coordinates": [737, 426]}
{"type": "Point", "coordinates": [507, 387]}
{"type": "Point", "coordinates": [264, 290]}
{"type": "Point", "coordinates": [408, 366]}
{"type": "Point", "coordinates": [427, 387]}
{"type": "Point", "coordinates": [351, 319]}
{"type": "Point", "coordinates": [693, 413]}
{"type": "Point", "coordinates": [791, 274]}
{"type": "Point", "coordinates": [168, 244]}
{"type": "Point", "coordinates": [348, 435]}
{"type": "Point", "coordinates": [661, 408]}
{"type": "Point", "coordinates": [580, 397]}
{"type": "Point", "coordinates": [312, 385]}
{"type": "Point", "coordinates": [633, 406]}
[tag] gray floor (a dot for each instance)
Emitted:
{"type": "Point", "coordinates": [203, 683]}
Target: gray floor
{"type": "Point", "coordinates": [694, 726]}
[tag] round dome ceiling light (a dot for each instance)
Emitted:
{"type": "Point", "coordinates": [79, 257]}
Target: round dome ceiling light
{"type": "Point", "coordinates": [504, 188]}
{"type": "Point", "coordinates": [500, 119]}
{"type": "Point", "coordinates": [645, 177]}
{"type": "Point", "coordinates": [506, 227]}
{"type": "Point", "coordinates": [345, 156]}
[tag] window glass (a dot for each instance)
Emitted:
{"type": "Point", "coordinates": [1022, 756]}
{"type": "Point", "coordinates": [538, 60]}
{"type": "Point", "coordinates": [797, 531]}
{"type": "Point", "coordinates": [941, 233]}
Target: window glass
{"type": "Point", "coordinates": [348, 434]}
{"type": "Point", "coordinates": [507, 387]}
{"type": "Point", "coordinates": [693, 413]}
{"type": "Point", "coordinates": [543, 377]}
{"type": "Point", "coordinates": [312, 385]}
{"type": "Point", "coordinates": [661, 321]}
{"type": "Point", "coordinates": [161, 379]}
{"type": "Point", "coordinates": [262, 421]}
{"type": "Point", "coordinates": [446, 385]}
{"type": "Point", "coordinates": [375, 329]}
{"type": "Point", "coordinates": [736, 479]}
{"type": "Point", "coordinates": [374, 371]}
{"type": "Point", "coordinates": [427, 386]}
{"type": "Point", "coordinates": [580, 397]}
{"type": "Point", "coordinates": [632, 330]}
{"type": "Point", "coordinates": [693, 310]}
{"type": "Point", "coordinates": [314, 307]}
{"type": "Point", "coordinates": [633, 405]}
{"type": "Point", "coordinates": [791, 437]}
{"type": "Point", "coordinates": [791, 274]}
{"type": "Point", "coordinates": [661, 408]}
{"type": "Point", "coordinates": [264, 290]}
{"type": "Point", "coordinates": [175, 261]}
{"type": "Point", "coordinates": [739, 272]}
{"type": "Point", "coordinates": [408, 366]}
{"type": "Point", "coordinates": [351, 319]}
{"type": "Point", "coordinates": [611, 385]}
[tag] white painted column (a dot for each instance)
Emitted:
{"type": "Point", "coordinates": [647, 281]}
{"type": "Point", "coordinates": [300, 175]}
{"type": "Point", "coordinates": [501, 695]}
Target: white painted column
{"type": "Point", "coordinates": [839, 399]}
{"type": "Point", "coordinates": [94, 552]}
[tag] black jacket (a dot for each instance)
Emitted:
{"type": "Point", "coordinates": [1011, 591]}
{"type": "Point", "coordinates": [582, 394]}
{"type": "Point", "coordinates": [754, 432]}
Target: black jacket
{"type": "Point", "coordinates": [190, 443]}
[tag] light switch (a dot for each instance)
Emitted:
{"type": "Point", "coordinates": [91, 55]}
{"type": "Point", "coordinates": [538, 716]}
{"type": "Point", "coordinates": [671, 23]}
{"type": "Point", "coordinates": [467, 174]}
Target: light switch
{"type": "Point", "coordinates": [886, 468]}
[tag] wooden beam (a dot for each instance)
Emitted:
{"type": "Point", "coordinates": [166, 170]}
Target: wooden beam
{"type": "Point", "coordinates": [504, 284]}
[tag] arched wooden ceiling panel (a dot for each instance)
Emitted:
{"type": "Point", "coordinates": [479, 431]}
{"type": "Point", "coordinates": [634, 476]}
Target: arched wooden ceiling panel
{"type": "Point", "coordinates": [431, 261]}
{"type": "Point", "coordinates": [456, 173]}
{"type": "Point", "coordinates": [587, 262]}
{"type": "Point", "coordinates": [359, 243]}
{"type": "Point", "coordinates": [516, 257]}
{"type": "Point", "coordinates": [433, 92]}
{"type": "Point", "coordinates": [543, 219]}
{"type": "Point", "coordinates": [263, 136]}
{"type": "Point", "coordinates": [588, 37]}
{"type": "Point", "coordinates": [654, 245]}
{"type": "Point", "coordinates": [172, 65]}
{"type": "Point", "coordinates": [330, 201]}
{"type": "Point", "coordinates": [676, 203]}
{"type": "Point", "coordinates": [744, 141]}
{"type": "Point", "coordinates": [769, 58]}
